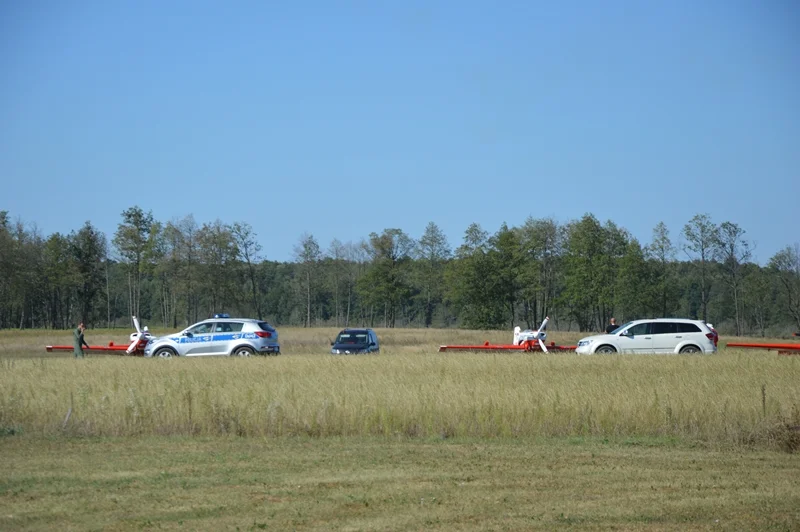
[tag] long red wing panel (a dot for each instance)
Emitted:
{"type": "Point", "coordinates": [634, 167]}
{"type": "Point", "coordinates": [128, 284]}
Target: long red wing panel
{"type": "Point", "coordinates": [783, 347]}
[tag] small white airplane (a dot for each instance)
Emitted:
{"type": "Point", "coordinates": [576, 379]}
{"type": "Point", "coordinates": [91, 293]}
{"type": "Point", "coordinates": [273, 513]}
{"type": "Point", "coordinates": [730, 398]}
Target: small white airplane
{"type": "Point", "coordinates": [526, 335]}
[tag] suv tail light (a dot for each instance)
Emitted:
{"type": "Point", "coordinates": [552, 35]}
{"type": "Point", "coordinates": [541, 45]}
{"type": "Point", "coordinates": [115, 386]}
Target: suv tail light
{"type": "Point", "coordinates": [264, 334]}
{"type": "Point", "coordinates": [713, 337]}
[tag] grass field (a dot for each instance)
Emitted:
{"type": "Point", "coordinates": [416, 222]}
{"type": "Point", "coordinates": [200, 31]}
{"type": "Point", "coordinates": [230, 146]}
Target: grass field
{"type": "Point", "coordinates": [224, 483]}
{"type": "Point", "coordinates": [408, 439]}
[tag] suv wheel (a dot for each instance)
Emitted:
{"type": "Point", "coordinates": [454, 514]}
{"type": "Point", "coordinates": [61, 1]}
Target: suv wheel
{"type": "Point", "coordinates": [242, 352]}
{"type": "Point", "coordinates": [606, 350]}
{"type": "Point", "coordinates": [690, 349]}
{"type": "Point", "coordinates": [164, 352]}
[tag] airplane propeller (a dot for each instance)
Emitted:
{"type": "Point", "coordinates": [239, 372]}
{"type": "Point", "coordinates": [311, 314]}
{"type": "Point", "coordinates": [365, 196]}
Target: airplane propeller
{"type": "Point", "coordinates": [539, 333]}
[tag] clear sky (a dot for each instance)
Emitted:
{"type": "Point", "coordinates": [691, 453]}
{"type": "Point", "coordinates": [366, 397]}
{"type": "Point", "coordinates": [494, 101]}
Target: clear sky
{"type": "Point", "coordinates": [342, 118]}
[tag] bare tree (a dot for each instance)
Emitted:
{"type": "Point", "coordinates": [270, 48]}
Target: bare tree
{"type": "Point", "coordinates": [249, 252]}
{"type": "Point", "coordinates": [307, 254]}
{"type": "Point", "coordinates": [662, 252]}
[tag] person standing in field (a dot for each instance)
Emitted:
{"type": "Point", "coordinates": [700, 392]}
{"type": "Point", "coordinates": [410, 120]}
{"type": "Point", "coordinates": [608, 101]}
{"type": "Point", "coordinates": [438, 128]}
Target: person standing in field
{"type": "Point", "coordinates": [79, 340]}
{"type": "Point", "coordinates": [612, 326]}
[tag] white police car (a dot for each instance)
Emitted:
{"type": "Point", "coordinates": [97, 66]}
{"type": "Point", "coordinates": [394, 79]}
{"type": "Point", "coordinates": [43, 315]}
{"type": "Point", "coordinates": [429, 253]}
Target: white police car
{"type": "Point", "coordinates": [218, 336]}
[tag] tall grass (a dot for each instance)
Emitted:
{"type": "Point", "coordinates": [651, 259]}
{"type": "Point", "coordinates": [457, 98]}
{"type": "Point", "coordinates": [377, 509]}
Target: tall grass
{"type": "Point", "coordinates": [410, 390]}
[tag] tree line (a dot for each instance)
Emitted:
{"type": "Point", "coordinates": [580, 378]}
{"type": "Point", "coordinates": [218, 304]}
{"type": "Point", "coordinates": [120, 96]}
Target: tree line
{"type": "Point", "coordinates": [579, 273]}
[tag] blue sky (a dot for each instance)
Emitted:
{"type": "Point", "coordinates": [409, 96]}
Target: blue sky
{"type": "Point", "coordinates": [339, 119]}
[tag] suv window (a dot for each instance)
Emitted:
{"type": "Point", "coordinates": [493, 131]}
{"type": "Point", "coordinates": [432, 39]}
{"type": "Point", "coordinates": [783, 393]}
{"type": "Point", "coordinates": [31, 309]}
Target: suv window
{"type": "Point", "coordinates": [202, 328]}
{"type": "Point", "coordinates": [688, 328]}
{"type": "Point", "coordinates": [265, 326]}
{"type": "Point", "coordinates": [665, 327]}
{"type": "Point", "coordinates": [229, 327]}
{"type": "Point", "coordinates": [641, 328]}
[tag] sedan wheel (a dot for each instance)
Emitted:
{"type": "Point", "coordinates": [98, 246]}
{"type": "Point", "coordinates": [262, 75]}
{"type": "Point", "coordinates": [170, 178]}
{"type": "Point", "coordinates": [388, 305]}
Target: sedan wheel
{"type": "Point", "coordinates": [242, 352]}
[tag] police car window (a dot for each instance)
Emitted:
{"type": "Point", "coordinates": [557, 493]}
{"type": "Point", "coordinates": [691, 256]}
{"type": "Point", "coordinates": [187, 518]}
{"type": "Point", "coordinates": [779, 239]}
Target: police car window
{"type": "Point", "coordinates": [226, 327]}
{"type": "Point", "coordinates": [202, 328]}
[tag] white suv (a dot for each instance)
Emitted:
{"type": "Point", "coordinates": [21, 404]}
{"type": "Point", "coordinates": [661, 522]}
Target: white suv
{"type": "Point", "coordinates": [662, 335]}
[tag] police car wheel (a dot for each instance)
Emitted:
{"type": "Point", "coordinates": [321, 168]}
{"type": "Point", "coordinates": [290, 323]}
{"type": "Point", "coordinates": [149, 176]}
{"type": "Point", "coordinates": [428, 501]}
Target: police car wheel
{"type": "Point", "coordinates": [164, 352]}
{"type": "Point", "coordinates": [242, 352]}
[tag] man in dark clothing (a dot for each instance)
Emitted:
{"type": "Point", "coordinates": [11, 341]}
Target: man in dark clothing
{"type": "Point", "coordinates": [612, 326]}
{"type": "Point", "coordinates": [79, 341]}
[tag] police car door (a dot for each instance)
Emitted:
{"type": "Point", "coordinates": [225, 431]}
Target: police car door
{"type": "Point", "coordinates": [198, 340]}
{"type": "Point", "coordinates": [223, 336]}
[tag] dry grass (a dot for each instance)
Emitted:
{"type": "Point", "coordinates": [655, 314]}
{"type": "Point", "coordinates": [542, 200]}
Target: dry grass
{"type": "Point", "coordinates": [408, 439]}
{"type": "Point", "coordinates": [734, 398]}
{"type": "Point", "coordinates": [220, 483]}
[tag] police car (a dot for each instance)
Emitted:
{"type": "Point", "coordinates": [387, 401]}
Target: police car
{"type": "Point", "coordinates": [218, 336]}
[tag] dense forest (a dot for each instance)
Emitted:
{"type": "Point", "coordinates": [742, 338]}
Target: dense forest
{"type": "Point", "coordinates": [580, 273]}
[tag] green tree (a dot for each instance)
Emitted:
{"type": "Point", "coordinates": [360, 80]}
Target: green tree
{"type": "Point", "coordinates": [218, 254]}
{"type": "Point", "coordinates": [386, 281]}
{"type": "Point", "coordinates": [701, 237]}
{"type": "Point", "coordinates": [786, 265]}
{"type": "Point", "coordinates": [541, 243]}
{"type": "Point", "coordinates": [180, 269]}
{"type": "Point", "coordinates": [89, 250]}
{"type": "Point", "coordinates": [732, 251]}
{"type": "Point", "coordinates": [473, 284]}
{"type": "Point", "coordinates": [584, 277]}
{"type": "Point", "coordinates": [433, 252]}
{"type": "Point", "coordinates": [62, 280]}
{"type": "Point", "coordinates": [134, 239]}
{"type": "Point", "coordinates": [759, 287]}
{"type": "Point", "coordinates": [506, 256]}
{"type": "Point", "coordinates": [634, 298]}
